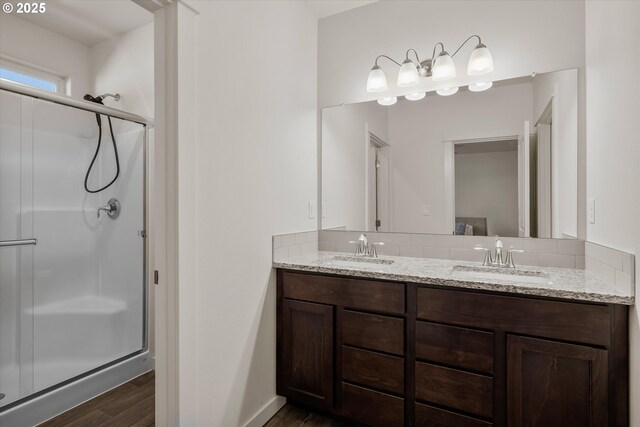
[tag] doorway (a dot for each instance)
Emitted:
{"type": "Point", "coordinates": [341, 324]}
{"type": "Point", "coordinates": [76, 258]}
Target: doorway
{"type": "Point", "coordinates": [377, 184]}
{"type": "Point", "coordinates": [489, 218]}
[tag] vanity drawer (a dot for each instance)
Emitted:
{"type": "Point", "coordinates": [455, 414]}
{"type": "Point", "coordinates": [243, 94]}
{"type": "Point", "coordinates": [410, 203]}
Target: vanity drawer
{"type": "Point", "coordinates": [387, 297]}
{"type": "Point", "coordinates": [454, 346]}
{"type": "Point", "coordinates": [582, 322]}
{"type": "Point", "coordinates": [373, 332]}
{"type": "Point", "coordinates": [371, 369]}
{"type": "Point", "coordinates": [428, 416]}
{"type": "Point", "coordinates": [371, 407]}
{"type": "Point", "coordinates": [455, 389]}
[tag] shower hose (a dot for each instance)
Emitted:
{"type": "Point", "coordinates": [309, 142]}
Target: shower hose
{"type": "Point", "coordinates": [95, 155]}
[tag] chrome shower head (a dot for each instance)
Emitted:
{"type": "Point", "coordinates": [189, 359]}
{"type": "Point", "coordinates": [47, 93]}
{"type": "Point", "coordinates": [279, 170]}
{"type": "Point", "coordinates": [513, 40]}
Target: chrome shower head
{"type": "Point", "coordinates": [115, 97]}
{"type": "Point", "coordinates": [98, 99]}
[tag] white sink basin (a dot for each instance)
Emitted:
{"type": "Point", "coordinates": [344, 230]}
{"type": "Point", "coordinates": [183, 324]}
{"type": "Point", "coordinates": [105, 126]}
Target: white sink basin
{"type": "Point", "coordinates": [496, 273]}
{"type": "Point", "coordinates": [366, 260]}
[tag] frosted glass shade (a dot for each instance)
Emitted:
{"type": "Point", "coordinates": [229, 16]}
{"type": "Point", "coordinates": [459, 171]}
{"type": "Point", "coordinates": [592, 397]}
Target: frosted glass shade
{"type": "Point", "coordinates": [444, 68]}
{"type": "Point", "coordinates": [388, 100]}
{"type": "Point", "coordinates": [447, 91]}
{"type": "Point", "coordinates": [480, 86]}
{"type": "Point", "coordinates": [377, 81]}
{"type": "Point", "coordinates": [480, 62]}
{"type": "Point", "coordinates": [408, 74]}
{"type": "Point", "coordinates": [415, 96]}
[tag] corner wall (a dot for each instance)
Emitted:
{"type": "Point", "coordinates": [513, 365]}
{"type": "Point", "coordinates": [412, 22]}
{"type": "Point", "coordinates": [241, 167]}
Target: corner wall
{"type": "Point", "coordinates": [255, 173]}
{"type": "Point", "coordinates": [613, 144]}
{"type": "Point", "coordinates": [124, 65]}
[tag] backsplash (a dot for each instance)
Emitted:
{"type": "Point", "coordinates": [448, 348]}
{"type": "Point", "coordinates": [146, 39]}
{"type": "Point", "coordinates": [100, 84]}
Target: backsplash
{"type": "Point", "coordinates": [294, 244]}
{"type": "Point", "coordinates": [608, 264]}
{"type": "Point", "coordinates": [562, 253]}
{"type": "Point", "coordinates": [611, 265]}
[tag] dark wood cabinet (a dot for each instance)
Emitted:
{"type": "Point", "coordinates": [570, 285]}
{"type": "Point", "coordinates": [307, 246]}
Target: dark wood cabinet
{"type": "Point", "coordinates": [307, 353]}
{"type": "Point", "coordinates": [383, 353]}
{"type": "Point", "coordinates": [555, 384]}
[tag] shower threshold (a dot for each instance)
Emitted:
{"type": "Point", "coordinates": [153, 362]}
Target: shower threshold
{"type": "Point", "coordinates": [48, 403]}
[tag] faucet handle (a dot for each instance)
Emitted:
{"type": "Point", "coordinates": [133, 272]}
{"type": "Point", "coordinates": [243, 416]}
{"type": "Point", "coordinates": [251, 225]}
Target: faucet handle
{"type": "Point", "coordinates": [510, 253]}
{"type": "Point", "coordinates": [112, 208]}
{"type": "Point", "coordinates": [488, 259]}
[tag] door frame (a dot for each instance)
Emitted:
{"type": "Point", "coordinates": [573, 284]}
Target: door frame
{"type": "Point", "coordinates": [449, 142]}
{"type": "Point", "coordinates": [378, 146]}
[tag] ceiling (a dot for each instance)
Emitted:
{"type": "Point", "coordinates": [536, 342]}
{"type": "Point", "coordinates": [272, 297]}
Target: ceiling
{"type": "Point", "coordinates": [90, 21]}
{"type": "Point", "coordinates": [93, 21]}
{"type": "Point", "coordinates": [324, 8]}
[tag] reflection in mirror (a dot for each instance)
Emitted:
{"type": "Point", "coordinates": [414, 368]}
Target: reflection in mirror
{"type": "Point", "coordinates": [498, 162]}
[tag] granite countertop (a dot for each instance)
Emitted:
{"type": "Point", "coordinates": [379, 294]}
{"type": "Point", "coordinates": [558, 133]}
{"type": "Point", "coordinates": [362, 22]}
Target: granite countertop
{"type": "Point", "coordinates": [540, 281]}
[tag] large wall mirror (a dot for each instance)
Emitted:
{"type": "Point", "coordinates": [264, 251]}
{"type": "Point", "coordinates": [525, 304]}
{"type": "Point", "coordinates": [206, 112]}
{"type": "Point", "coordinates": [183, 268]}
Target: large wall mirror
{"type": "Point", "coordinates": [498, 162]}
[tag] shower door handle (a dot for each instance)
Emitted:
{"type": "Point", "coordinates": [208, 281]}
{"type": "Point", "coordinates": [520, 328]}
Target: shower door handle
{"type": "Point", "coordinates": [22, 242]}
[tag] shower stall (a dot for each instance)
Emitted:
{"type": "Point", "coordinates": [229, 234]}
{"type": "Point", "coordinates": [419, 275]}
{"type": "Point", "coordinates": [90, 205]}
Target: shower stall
{"type": "Point", "coordinates": [73, 289]}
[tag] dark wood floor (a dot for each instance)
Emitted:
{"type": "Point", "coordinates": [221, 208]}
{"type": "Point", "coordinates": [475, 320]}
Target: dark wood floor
{"type": "Point", "coordinates": [131, 404]}
{"type": "Point", "coordinates": [292, 416]}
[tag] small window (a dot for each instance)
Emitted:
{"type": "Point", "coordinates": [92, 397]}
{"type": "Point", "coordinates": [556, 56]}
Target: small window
{"type": "Point", "coordinates": [29, 76]}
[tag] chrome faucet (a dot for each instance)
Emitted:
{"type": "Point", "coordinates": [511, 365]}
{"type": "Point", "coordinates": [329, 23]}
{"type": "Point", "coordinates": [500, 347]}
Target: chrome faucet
{"type": "Point", "coordinates": [496, 257]}
{"type": "Point", "coordinates": [364, 248]}
{"type": "Point", "coordinates": [112, 208]}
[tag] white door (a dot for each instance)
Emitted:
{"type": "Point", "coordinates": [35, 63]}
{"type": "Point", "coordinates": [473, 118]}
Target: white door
{"type": "Point", "coordinates": [524, 201]}
{"type": "Point", "coordinates": [544, 181]}
{"type": "Point", "coordinates": [372, 190]}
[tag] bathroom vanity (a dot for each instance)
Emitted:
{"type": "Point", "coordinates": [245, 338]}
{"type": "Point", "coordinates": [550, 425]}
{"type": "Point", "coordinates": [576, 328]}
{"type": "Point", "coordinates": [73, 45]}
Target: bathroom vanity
{"type": "Point", "coordinates": [419, 342]}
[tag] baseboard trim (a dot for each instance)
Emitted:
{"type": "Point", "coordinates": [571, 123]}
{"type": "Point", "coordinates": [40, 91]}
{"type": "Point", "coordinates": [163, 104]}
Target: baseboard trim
{"type": "Point", "coordinates": [267, 412]}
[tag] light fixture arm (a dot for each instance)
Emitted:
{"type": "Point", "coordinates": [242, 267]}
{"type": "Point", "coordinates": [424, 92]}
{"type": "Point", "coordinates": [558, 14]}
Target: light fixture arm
{"type": "Point", "coordinates": [433, 55]}
{"type": "Point", "coordinates": [414, 52]}
{"type": "Point", "coordinates": [389, 58]}
{"type": "Point", "coordinates": [465, 42]}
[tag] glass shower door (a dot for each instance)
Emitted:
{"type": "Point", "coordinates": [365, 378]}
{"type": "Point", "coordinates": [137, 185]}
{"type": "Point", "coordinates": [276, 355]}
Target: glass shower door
{"type": "Point", "coordinates": [75, 301]}
{"type": "Point", "coordinates": [16, 249]}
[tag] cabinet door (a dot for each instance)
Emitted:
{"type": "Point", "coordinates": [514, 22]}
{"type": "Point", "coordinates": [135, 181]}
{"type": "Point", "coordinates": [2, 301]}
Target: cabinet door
{"type": "Point", "coordinates": [307, 353]}
{"type": "Point", "coordinates": [555, 384]}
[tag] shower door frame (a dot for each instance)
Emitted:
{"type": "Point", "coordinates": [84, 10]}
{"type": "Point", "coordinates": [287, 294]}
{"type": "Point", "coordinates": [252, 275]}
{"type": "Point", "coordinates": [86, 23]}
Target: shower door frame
{"type": "Point", "coordinates": [21, 410]}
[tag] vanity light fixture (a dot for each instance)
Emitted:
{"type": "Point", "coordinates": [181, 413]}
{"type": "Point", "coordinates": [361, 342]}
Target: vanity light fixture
{"type": "Point", "coordinates": [447, 91]}
{"type": "Point", "coordinates": [417, 96]}
{"type": "Point", "coordinates": [481, 61]}
{"type": "Point", "coordinates": [439, 68]}
{"type": "Point", "coordinates": [480, 86]}
{"type": "Point", "coordinates": [377, 81]}
{"type": "Point", "coordinates": [408, 74]}
{"type": "Point", "coordinates": [444, 68]}
{"type": "Point", "coordinates": [388, 100]}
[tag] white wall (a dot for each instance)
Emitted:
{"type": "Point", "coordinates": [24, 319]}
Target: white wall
{"type": "Point", "coordinates": [255, 172]}
{"type": "Point", "coordinates": [124, 64]}
{"type": "Point", "coordinates": [20, 40]}
{"type": "Point", "coordinates": [562, 86]}
{"type": "Point", "coordinates": [344, 156]}
{"type": "Point", "coordinates": [478, 175]}
{"type": "Point", "coordinates": [613, 143]}
{"type": "Point", "coordinates": [350, 41]}
{"type": "Point", "coordinates": [417, 131]}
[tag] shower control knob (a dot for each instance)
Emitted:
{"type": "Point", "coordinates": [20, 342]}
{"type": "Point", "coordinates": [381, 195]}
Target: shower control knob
{"type": "Point", "coordinates": [112, 208]}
